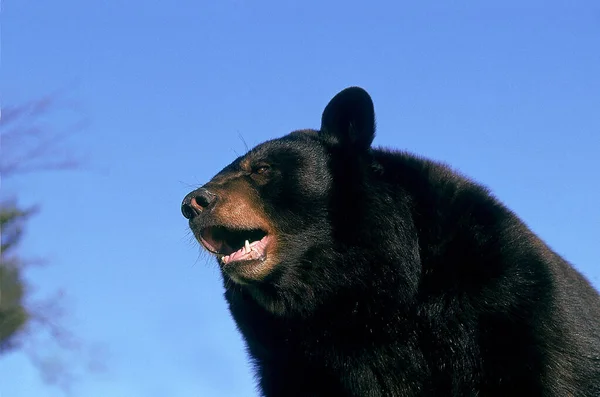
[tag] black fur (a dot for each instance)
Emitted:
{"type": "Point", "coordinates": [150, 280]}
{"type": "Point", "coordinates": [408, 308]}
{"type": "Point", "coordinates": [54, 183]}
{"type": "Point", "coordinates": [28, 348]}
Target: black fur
{"type": "Point", "coordinates": [400, 277]}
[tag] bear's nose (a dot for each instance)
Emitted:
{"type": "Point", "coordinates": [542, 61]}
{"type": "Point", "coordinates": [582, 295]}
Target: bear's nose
{"type": "Point", "coordinates": [196, 202]}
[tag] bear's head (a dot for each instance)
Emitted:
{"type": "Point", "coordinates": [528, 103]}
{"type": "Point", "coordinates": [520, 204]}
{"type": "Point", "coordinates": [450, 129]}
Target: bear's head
{"type": "Point", "coordinates": [280, 216]}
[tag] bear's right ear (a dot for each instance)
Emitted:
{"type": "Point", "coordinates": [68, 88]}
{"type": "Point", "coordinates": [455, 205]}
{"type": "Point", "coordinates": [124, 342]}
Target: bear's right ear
{"type": "Point", "coordinates": [349, 119]}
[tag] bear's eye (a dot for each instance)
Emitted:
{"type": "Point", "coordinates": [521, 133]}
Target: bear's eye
{"type": "Point", "coordinates": [261, 169]}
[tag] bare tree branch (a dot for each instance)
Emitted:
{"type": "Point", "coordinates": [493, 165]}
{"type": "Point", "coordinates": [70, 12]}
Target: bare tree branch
{"type": "Point", "coordinates": [27, 145]}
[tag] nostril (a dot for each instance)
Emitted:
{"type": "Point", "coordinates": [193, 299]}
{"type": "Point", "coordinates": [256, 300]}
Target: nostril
{"type": "Point", "coordinates": [196, 202]}
{"type": "Point", "coordinates": [187, 211]}
{"type": "Point", "coordinates": [201, 200]}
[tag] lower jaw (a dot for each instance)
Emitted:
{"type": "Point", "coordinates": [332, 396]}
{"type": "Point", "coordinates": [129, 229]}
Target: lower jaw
{"type": "Point", "coordinates": [244, 271]}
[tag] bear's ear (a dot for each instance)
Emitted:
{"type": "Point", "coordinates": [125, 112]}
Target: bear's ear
{"type": "Point", "coordinates": [349, 119]}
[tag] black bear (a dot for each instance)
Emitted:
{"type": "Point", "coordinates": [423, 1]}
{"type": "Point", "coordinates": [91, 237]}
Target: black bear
{"type": "Point", "coordinates": [359, 271]}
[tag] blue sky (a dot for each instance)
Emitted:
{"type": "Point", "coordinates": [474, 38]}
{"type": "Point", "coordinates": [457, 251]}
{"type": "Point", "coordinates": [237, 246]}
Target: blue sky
{"type": "Point", "coordinates": [506, 93]}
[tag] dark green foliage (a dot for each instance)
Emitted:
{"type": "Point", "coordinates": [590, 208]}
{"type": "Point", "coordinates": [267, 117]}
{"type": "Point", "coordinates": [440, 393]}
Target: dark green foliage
{"type": "Point", "coordinates": [13, 314]}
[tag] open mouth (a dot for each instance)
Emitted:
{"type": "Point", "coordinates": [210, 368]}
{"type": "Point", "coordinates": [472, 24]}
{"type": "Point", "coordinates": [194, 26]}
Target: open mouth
{"type": "Point", "coordinates": [232, 245]}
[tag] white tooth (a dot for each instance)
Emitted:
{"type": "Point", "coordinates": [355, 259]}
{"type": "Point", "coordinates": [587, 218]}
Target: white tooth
{"type": "Point", "coordinates": [246, 247]}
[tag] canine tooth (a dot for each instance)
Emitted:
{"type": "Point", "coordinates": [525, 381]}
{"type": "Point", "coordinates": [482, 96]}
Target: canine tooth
{"type": "Point", "coordinates": [247, 247]}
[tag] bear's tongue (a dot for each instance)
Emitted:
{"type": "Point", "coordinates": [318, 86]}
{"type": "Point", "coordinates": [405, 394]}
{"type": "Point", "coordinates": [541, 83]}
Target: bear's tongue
{"type": "Point", "coordinates": [250, 251]}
